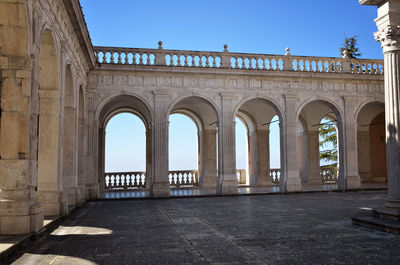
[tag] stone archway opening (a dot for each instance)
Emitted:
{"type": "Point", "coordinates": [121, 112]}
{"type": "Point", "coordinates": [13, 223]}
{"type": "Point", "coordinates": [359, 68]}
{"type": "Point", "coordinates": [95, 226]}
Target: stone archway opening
{"type": "Point", "coordinates": [262, 122]}
{"type": "Point", "coordinates": [50, 190]}
{"type": "Point", "coordinates": [203, 114]}
{"type": "Point", "coordinates": [328, 150]}
{"type": "Point", "coordinates": [183, 157]}
{"type": "Point", "coordinates": [125, 168]}
{"type": "Point", "coordinates": [125, 152]}
{"type": "Point", "coordinates": [371, 143]}
{"type": "Point", "coordinates": [318, 144]}
{"type": "Point", "coordinates": [242, 150]}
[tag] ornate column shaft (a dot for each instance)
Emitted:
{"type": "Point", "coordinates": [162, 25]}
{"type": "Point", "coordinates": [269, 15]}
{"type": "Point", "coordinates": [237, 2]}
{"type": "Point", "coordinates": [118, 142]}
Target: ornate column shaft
{"type": "Point", "coordinates": [389, 36]}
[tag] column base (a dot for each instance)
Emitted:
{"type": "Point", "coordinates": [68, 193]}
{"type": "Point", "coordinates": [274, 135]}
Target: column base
{"type": "Point", "coordinates": [20, 217]}
{"type": "Point", "coordinates": [73, 195]}
{"type": "Point", "coordinates": [54, 203]}
{"type": "Point", "coordinates": [209, 182]}
{"type": "Point", "coordinates": [353, 182]}
{"type": "Point", "coordinates": [160, 189]}
{"type": "Point", "coordinates": [228, 187]}
{"type": "Point", "coordinates": [83, 191]}
{"type": "Point", "coordinates": [93, 191]}
{"type": "Point", "coordinates": [293, 185]}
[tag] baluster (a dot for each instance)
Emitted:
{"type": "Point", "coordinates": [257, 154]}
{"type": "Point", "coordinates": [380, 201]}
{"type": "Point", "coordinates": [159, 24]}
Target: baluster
{"type": "Point", "coordinates": [236, 62]}
{"type": "Point", "coordinates": [179, 60]}
{"type": "Point", "coordinates": [215, 61]}
{"type": "Point", "coordinates": [119, 58]}
{"type": "Point", "coordinates": [263, 63]}
{"type": "Point", "coordinates": [172, 60]}
{"type": "Point", "coordinates": [134, 58]}
{"type": "Point", "coordinates": [186, 60]}
{"type": "Point", "coordinates": [141, 58]}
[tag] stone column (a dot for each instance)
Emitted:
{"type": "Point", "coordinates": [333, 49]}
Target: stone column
{"type": "Point", "coordinates": [253, 158]}
{"type": "Point", "coordinates": [350, 165]}
{"type": "Point", "coordinates": [364, 154]}
{"type": "Point", "coordinates": [290, 181]}
{"type": "Point", "coordinates": [263, 158]}
{"type": "Point", "coordinates": [209, 159]}
{"type": "Point", "coordinates": [227, 182]}
{"type": "Point", "coordinates": [149, 157]}
{"type": "Point", "coordinates": [314, 172]}
{"type": "Point", "coordinates": [70, 151]}
{"type": "Point", "coordinates": [388, 35]}
{"type": "Point", "coordinates": [302, 156]}
{"type": "Point", "coordinates": [160, 186]}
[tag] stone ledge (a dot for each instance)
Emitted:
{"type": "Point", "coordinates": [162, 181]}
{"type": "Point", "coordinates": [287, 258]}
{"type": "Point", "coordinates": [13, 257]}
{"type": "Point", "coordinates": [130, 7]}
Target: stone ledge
{"type": "Point", "coordinates": [370, 220]}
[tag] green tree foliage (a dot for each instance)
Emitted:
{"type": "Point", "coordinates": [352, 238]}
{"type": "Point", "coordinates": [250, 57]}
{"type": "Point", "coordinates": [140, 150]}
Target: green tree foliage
{"type": "Point", "coordinates": [351, 46]}
{"type": "Point", "coordinates": [328, 142]}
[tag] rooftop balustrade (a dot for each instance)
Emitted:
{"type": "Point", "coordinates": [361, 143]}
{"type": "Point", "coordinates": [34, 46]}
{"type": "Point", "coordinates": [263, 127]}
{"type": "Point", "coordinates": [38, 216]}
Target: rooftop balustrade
{"type": "Point", "coordinates": [239, 61]}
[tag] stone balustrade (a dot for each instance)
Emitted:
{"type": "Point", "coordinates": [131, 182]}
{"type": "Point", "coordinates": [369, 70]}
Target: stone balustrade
{"type": "Point", "coordinates": [275, 174]}
{"type": "Point", "coordinates": [124, 180]}
{"type": "Point", "coordinates": [179, 178]}
{"type": "Point", "coordinates": [241, 176]}
{"type": "Point", "coordinates": [329, 174]}
{"type": "Point", "coordinates": [242, 61]}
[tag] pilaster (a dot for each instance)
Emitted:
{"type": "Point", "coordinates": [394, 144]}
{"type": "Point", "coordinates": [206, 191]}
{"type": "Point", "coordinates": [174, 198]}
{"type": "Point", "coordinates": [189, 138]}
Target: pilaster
{"type": "Point", "coordinates": [227, 182]}
{"type": "Point", "coordinates": [160, 186]}
{"type": "Point", "coordinates": [314, 172]}
{"type": "Point", "coordinates": [291, 180]}
{"type": "Point", "coordinates": [209, 159]}
{"type": "Point", "coordinates": [351, 175]}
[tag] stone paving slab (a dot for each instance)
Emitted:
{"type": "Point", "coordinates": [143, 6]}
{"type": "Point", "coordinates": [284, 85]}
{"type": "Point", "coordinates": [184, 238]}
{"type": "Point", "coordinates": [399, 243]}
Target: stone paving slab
{"type": "Point", "coordinates": [312, 228]}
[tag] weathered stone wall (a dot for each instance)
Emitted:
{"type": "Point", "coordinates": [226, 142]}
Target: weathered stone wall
{"type": "Point", "coordinates": [38, 40]}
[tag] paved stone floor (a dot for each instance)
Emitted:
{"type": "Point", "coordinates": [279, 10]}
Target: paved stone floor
{"type": "Point", "coordinates": [311, 228]}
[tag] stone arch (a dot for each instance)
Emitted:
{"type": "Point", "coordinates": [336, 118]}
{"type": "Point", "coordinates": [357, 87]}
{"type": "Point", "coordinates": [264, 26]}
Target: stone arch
{"type": "Point", "coordinates": [143, 103]}
{"type": "Point", "coordinates": [206, 115]}
{"type": "Point", "coordinates": [69, 177]}
{"type": "Point", "coordinates": [269, 100]}
{"type": "Point", "coordinates": [261, 111]}
{"type": "Point", "coordinates": [202, 98]}
{"type": "Point", "coordinates": [371, 142]}
{"type": "Point", "coordinates": [50, 190]}
{"type": "Point", "coordinates": [313, 111]}
{"type": "Point", "coordinates": [112, 106]}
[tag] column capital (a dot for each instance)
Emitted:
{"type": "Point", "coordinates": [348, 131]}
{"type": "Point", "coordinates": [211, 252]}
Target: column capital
{"type": "Point", "coordinates": [389, 37]}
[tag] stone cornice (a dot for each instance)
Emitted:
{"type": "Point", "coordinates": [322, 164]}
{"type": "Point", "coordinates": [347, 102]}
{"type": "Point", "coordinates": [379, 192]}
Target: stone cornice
{"type": "Point", "coordinates": [78, 22]}
{"type": "Point", "coordinates": [372, 2]}
{"type": "Point", "coordinates": [233, 72]}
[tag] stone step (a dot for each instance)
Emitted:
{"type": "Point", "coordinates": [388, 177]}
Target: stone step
{"type": "Point", "coordinates": [370, 220]}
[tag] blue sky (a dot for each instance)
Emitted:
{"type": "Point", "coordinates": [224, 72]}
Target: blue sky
{"type": "Point", "coordinates": [311, 27]}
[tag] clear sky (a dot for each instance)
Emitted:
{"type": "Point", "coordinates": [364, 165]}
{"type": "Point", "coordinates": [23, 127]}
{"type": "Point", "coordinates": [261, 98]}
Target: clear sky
{"type": "Point", "coordinates": [310, 28]}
